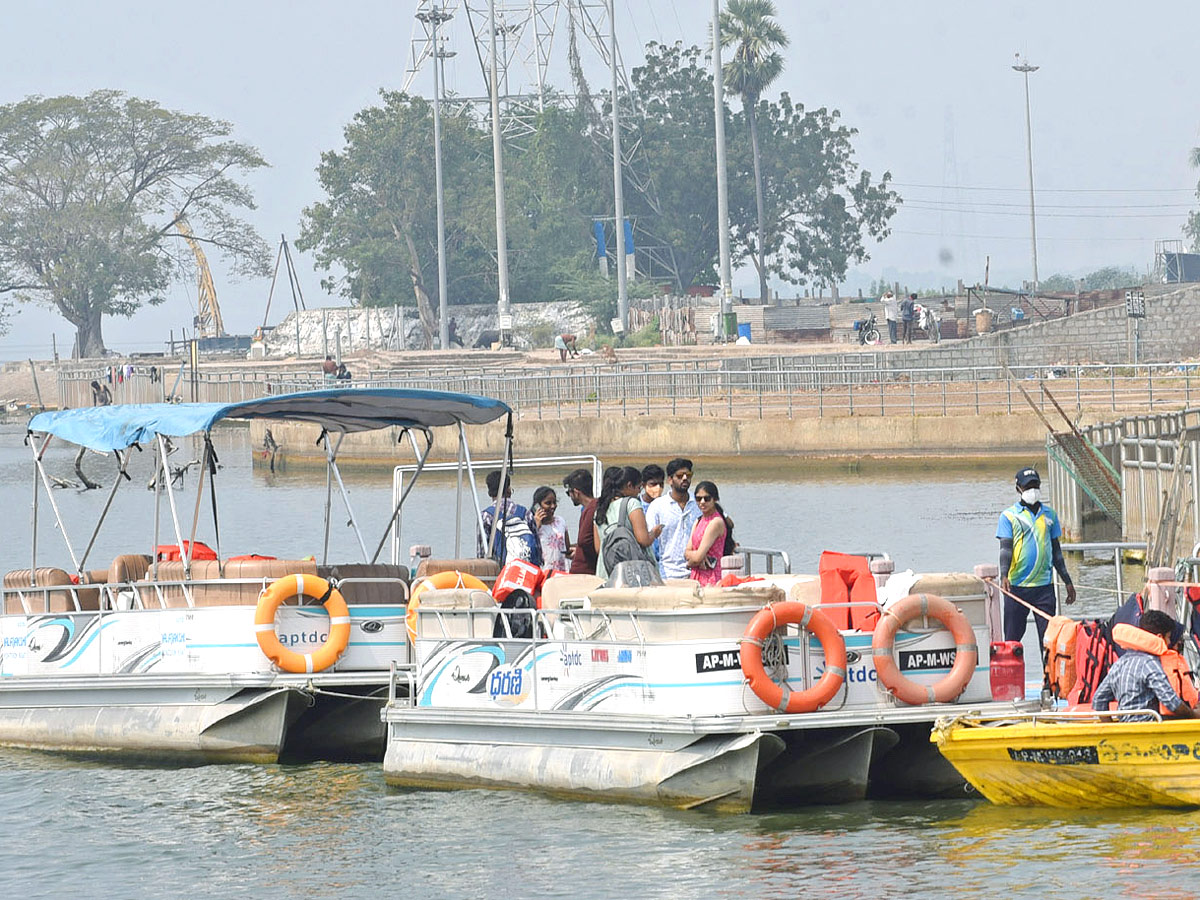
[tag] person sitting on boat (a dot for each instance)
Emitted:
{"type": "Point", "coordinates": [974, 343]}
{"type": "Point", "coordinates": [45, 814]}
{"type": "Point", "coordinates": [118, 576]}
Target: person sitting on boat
{"type": "Point", "coordinates": [1029, 533]}
{"type": "Point", "coordinates": [1138, 680]}
{"type": "Point", "coordinates": [516, 530]}
{"type": "Point", "coordinates": [1158, 596]}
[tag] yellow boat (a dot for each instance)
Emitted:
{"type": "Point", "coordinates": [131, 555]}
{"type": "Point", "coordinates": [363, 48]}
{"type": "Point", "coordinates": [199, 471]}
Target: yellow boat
{"type": "Point", "coordinates": [1075, 760]}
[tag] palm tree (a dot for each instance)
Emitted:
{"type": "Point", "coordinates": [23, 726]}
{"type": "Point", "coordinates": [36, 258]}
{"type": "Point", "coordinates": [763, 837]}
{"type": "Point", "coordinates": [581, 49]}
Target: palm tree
{"type": "Point", "coordinates": [750, 27]}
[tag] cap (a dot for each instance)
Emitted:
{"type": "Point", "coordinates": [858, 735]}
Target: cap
{"type": "Point", "coordinates": [1028, 476]}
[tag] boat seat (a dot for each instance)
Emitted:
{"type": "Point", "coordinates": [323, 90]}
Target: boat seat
{"type": "Point", "coordinates": [568, 587]}
{"type": "Point", "coordinates": [705, 612]}
{"type": "Point", "coordinates": [263, 571]}
{"type": "Point", "coordinates": [964, 590]}
{"type": "Point", "coordinates": [480, 568]}
{"type": "Point", "coordinates": [360, 593]}
{"type": "Point", "coordinates": [128, 567]}
{"type": "Point", "coordinates": [456, 624]}
{"type": "Point", "coordinates": [39, 600]}
{"type": "Point", "coordinates": [689, 596]}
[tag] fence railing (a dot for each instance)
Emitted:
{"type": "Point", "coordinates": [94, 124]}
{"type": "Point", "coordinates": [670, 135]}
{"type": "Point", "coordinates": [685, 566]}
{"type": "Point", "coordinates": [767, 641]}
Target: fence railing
{"type": "Point", "coordinates": [743, 388]}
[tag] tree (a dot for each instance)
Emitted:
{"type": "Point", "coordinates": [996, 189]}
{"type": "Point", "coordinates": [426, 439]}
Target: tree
{"type": "Point", "coordinates": [1192, 227]}
{"type": "Point", "coordinates": [90, 191]}
{"type": "Point", "coordinates": [750, 26]}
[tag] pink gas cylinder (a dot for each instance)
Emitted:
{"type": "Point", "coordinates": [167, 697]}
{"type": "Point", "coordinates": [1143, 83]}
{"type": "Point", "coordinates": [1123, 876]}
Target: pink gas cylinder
{"type": "Point", "coordinates": [1008, 670]}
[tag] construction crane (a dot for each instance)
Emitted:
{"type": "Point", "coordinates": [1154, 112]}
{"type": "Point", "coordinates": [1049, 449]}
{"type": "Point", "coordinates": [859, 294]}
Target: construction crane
{"type": "Point", "coordinates": [208, 314]}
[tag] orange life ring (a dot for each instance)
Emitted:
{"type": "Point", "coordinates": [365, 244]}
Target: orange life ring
{"type": "Point", "coordinates": [437, 582]}
{"type": "Point", "coordinates": [965, 659]}
{"type": "Point", "coordinates": [779, 696]}
{"type": "Point", "coordinates": [339, 623]}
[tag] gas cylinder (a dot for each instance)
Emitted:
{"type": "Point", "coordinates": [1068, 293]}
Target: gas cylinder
{"type": "Point", "coordinates": [1008, 670]}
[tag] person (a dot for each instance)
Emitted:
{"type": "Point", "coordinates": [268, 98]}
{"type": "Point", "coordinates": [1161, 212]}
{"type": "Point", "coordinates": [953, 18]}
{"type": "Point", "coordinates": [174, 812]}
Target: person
{"type": "Point", "coordinates": [891, 312]}
{"type": "Point", "coordinates": [618, 501]}
{"type": "Point", "coordinates": [552, 533]}
{"type": "Point", "coordinates": [101, 395]}
{"type": "Point", "coordinates": [329, 367]}
{"type": "Point", "coordinates": [906, 318]}
{"type": "Point", "coordinates": [564, 344]}
{"type": "Point", "coordinates": [1029, 533]}
{"type": "Point", "coordinates": [453, 338]}
{"type": "Point", "coordinates": [652, 483]}
{"type": "Point", "coordinates": [711, 537]}
{"type": "Point", "coordinates": [515, 529]}
{"type": "Point", "coordinates": [1138, 680]}
{"type": "Point", "coordinates": [578, 488]}
{"type": "Point", "coordinates": [675, 511]}
{"type": "Point", "coordinates": [343, 374]}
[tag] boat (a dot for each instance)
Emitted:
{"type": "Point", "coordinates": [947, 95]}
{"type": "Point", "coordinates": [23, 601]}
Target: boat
{"type": "Point", "coordinates": [721, 698]}
{"type": "Point", "coordinates": [193, 655]}
{"type": "Point", "coordinates": [1075, 760]}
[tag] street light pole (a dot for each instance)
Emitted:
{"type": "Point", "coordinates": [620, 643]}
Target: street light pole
{"type": "Point", "coordinates": [1025, 68]}
{"type": "Point", "coordinates": [618, 176]}
{"type": "Point", "coordinates": [433, 18]}
{"type": "Point", "coordinates": [498, 178]}
{"type": "Point", "coordinates": [722, 178]}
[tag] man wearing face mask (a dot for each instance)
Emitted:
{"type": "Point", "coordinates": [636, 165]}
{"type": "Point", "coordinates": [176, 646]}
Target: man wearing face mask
{"type": "Point", "coordinates": [1029, 534]}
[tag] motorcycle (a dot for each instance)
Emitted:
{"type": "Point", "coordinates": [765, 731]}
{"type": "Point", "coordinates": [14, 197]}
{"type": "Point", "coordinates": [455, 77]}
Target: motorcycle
{"type": "Point", "coordinates": [926, 318]}
{"type": "Point", "coordinates": [868, 330]}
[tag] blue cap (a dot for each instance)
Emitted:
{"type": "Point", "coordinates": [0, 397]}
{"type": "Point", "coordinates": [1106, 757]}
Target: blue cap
{"type": "Point", "coordinates": [1028, 476]}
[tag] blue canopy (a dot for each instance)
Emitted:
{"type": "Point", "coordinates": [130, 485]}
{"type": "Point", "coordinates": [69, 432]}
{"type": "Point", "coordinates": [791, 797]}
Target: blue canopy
{"type": "Point", "coordinates": [106, 428]}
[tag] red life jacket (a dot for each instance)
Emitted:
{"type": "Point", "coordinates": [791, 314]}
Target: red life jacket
{"type": "Point", "coordinates": [1060, 641]}
{"type": "Point", "coordinates": [1094, 653]}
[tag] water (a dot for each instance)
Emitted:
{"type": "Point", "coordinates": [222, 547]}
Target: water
{"type": "Point", "coordinates": [96, 829]}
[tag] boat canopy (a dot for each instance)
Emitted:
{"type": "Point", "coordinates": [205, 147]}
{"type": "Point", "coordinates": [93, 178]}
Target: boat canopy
{"type": "Point", "coordinates": [107, 428]}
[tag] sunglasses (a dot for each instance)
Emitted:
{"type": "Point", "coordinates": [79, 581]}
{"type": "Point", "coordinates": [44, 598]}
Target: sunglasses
{"type": "Point", "coordinates": [702, 498]}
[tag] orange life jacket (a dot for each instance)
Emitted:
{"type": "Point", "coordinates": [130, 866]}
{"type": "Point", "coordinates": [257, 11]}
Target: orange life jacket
{"type": "Point", "coordinates": [1060, 640]}
{"type": "Point", "coordinates": [1173, 663]}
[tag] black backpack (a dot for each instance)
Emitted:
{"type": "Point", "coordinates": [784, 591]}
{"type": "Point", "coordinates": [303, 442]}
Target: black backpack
{"type": "Point", "coordinates": [617, 541]}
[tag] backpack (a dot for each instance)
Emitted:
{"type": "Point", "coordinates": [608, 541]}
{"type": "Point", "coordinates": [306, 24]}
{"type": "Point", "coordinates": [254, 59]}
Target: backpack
{"type": "Point", "coordinates": [515, 539]}
{"type": "Point", "coordinates": [617, 541]}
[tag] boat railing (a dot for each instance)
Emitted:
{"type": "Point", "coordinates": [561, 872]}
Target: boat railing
{"type": "Point", "coordinates": [769, 557]}
{"type": "Point", "coordinates": [154, 595]}
{"type": "Point", "coordinates": [402, 674]}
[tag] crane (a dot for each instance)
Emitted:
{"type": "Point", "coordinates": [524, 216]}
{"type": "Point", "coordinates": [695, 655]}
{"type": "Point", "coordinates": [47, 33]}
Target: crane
{"type": "Point", "coordinates": [208, 313]}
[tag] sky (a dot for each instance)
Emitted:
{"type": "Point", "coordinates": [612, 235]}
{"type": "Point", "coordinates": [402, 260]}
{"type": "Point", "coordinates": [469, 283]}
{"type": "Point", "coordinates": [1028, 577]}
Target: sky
{"type": "Point", "coordinates": [929, 87]}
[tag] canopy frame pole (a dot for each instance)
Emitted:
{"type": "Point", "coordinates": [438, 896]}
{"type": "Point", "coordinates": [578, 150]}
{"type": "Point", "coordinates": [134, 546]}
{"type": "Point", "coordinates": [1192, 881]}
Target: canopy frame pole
{"type": "Point", "coordinates": [421, 459]}
{"type": "Point", "coordinates": [328, 496]}
{"type": "Point", "coordinates": [33, 544]}
{"type": "Point", "coordinates": [481, 537]}
{"type": "Point", "coordinates": [191, 545]}
{"type": "Point", "coordinates": [332, 458]}
{"type": "Point", "coordinates": [458, 495]}
{"type": "Point", "coordinates": [62, 528]}
{"type": "Point", "coordinates": [166, 470]}
{"type": "Point", "coordinates": [158, 486]}
{"type": "Point", "coordinates": [500, 505]}
{"type": "Point", "coordinates": [122, 465]}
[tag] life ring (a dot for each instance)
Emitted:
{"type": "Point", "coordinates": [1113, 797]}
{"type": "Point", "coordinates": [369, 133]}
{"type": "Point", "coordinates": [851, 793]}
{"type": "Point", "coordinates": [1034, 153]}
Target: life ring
{"type": "Point", "coordinates": [339, 623]}
{"type": "Point", "coordinates": [437, 582]}
{"type": "Point", "coordinates": [965, 658]}
{"type": "Point", "coordinates": [779, 696]}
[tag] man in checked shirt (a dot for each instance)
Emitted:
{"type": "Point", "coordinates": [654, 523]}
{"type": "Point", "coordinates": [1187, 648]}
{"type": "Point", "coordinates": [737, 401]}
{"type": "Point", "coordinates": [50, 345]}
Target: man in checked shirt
{"type": "Point", "coordinates": [1137, 679]}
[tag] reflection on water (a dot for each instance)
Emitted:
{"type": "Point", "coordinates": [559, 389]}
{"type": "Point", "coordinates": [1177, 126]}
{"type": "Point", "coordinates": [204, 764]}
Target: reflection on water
{"type": "Point", "coordinates": [325, 830]}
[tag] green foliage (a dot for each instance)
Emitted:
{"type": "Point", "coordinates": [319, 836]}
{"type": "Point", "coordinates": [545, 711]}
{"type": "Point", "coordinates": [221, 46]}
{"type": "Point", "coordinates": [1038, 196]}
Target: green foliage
{"type": "Point", "coordinates": [1105, 279]}
{"type": "Point", "coordinates": [91, 189]}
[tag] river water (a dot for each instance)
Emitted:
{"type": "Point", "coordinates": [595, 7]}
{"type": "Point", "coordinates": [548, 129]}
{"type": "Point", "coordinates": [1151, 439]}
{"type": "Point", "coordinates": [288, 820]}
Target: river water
{"type": "Point", "coordinates": [89, 829]}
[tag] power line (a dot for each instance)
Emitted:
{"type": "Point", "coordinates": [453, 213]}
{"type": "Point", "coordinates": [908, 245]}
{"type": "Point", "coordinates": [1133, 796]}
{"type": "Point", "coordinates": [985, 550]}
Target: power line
{"type": "Point", "coordinates": [917, 207]}
{"type": "Point", "coordinates": [963, 187]}
{"type": "Point", "coordinates": [1009, 237]}
{"type": "Point", "coordinates": [972, 204]}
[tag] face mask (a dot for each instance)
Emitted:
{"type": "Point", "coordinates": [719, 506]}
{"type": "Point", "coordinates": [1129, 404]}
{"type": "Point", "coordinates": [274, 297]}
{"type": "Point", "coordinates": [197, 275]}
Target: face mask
{"type": "Point", "coordinates": [1031, 496]}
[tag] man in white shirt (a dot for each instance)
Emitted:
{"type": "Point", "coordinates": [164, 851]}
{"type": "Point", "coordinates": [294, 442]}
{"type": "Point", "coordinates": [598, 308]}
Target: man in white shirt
{"type": "Point", "coordinates": [891, 312]}
{"type": "Point", "coordinates": [677, 513]}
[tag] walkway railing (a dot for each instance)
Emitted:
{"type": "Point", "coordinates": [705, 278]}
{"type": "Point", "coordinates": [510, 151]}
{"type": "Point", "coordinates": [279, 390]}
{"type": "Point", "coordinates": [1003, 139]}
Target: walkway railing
{"type": "Point", "coordinates": [755, 387]}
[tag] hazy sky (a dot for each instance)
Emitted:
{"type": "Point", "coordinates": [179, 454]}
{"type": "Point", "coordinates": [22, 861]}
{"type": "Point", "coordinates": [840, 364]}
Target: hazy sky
{"type": "Point", "coordinates": [928, 86]}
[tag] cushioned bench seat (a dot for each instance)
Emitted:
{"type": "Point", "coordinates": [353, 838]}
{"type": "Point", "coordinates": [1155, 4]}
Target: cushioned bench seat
{"type": "Point", "coordinates": [226, 593]}
{"type": "Point", "coordinates": [39, 600]}
{"type": "Point", "coordinates": [467, 614]}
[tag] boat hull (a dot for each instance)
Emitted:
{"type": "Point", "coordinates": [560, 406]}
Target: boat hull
{"type": "Point", "coordinates": [1077, 764]}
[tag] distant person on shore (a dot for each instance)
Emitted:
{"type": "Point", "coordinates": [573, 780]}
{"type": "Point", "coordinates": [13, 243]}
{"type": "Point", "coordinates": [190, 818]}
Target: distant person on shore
{"type": "Point", "coordinates": [564, 344]}
{"type": "Point", "coordinates": [551, 530]}
{"type": "Point", "coordinates": [453, 338]}
{"type": "Point", "coordinates": [578, 488]}
{"type": "Point", "coordinates": [343, 374]}
{"type": "Point", "coordinates": [329, 367]}
{"type": "Point", "coordinates": [101, 395]}
{"type": "Point", "coordinates": [711, 537]}
{"type": "Point", "coordinates": [618, 504]}
{"type": "Point", "coordinates": [891, 312]}
{"type": "Point", "coordinates": [676, 512]}
{"type": "Point", "coordinates": [906, 318]}
{"type": "Point", "coordinates": [652, 483]}
{"type": "Point", "coordinates": [1029, 533]}
{"type": "Point", "coordinates": [516, 530]}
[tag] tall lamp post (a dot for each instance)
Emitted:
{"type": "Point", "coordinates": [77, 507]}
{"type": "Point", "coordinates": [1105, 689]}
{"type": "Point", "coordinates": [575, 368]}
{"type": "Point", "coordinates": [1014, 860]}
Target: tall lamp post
{"type": "Point", "coordinates": [722, 177]}
{"type": "Point", "coordinates": [435, 17]}
{"type": "Point", "coordinates": [1025, 68]}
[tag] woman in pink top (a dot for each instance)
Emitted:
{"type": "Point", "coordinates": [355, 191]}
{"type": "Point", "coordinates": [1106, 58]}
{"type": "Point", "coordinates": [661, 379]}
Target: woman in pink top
{"type": "Point", "coordinates": [707, 544]}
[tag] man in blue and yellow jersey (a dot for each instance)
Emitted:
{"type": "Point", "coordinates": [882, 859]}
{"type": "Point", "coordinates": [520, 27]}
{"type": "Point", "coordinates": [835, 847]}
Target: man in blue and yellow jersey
{"type": "Point", "coordinates": [1029, 550]}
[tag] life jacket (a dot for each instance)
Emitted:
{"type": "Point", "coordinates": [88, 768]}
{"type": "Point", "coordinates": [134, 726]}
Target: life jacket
{"type": "Point", "coordinates": [846, 578]}
{"type": "Point", "coordinates": [1174, 665]}
{"type": "Point", "coordinates": [1094, 653]}
{"type": "Point", "coordinates": [1060, 642]}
